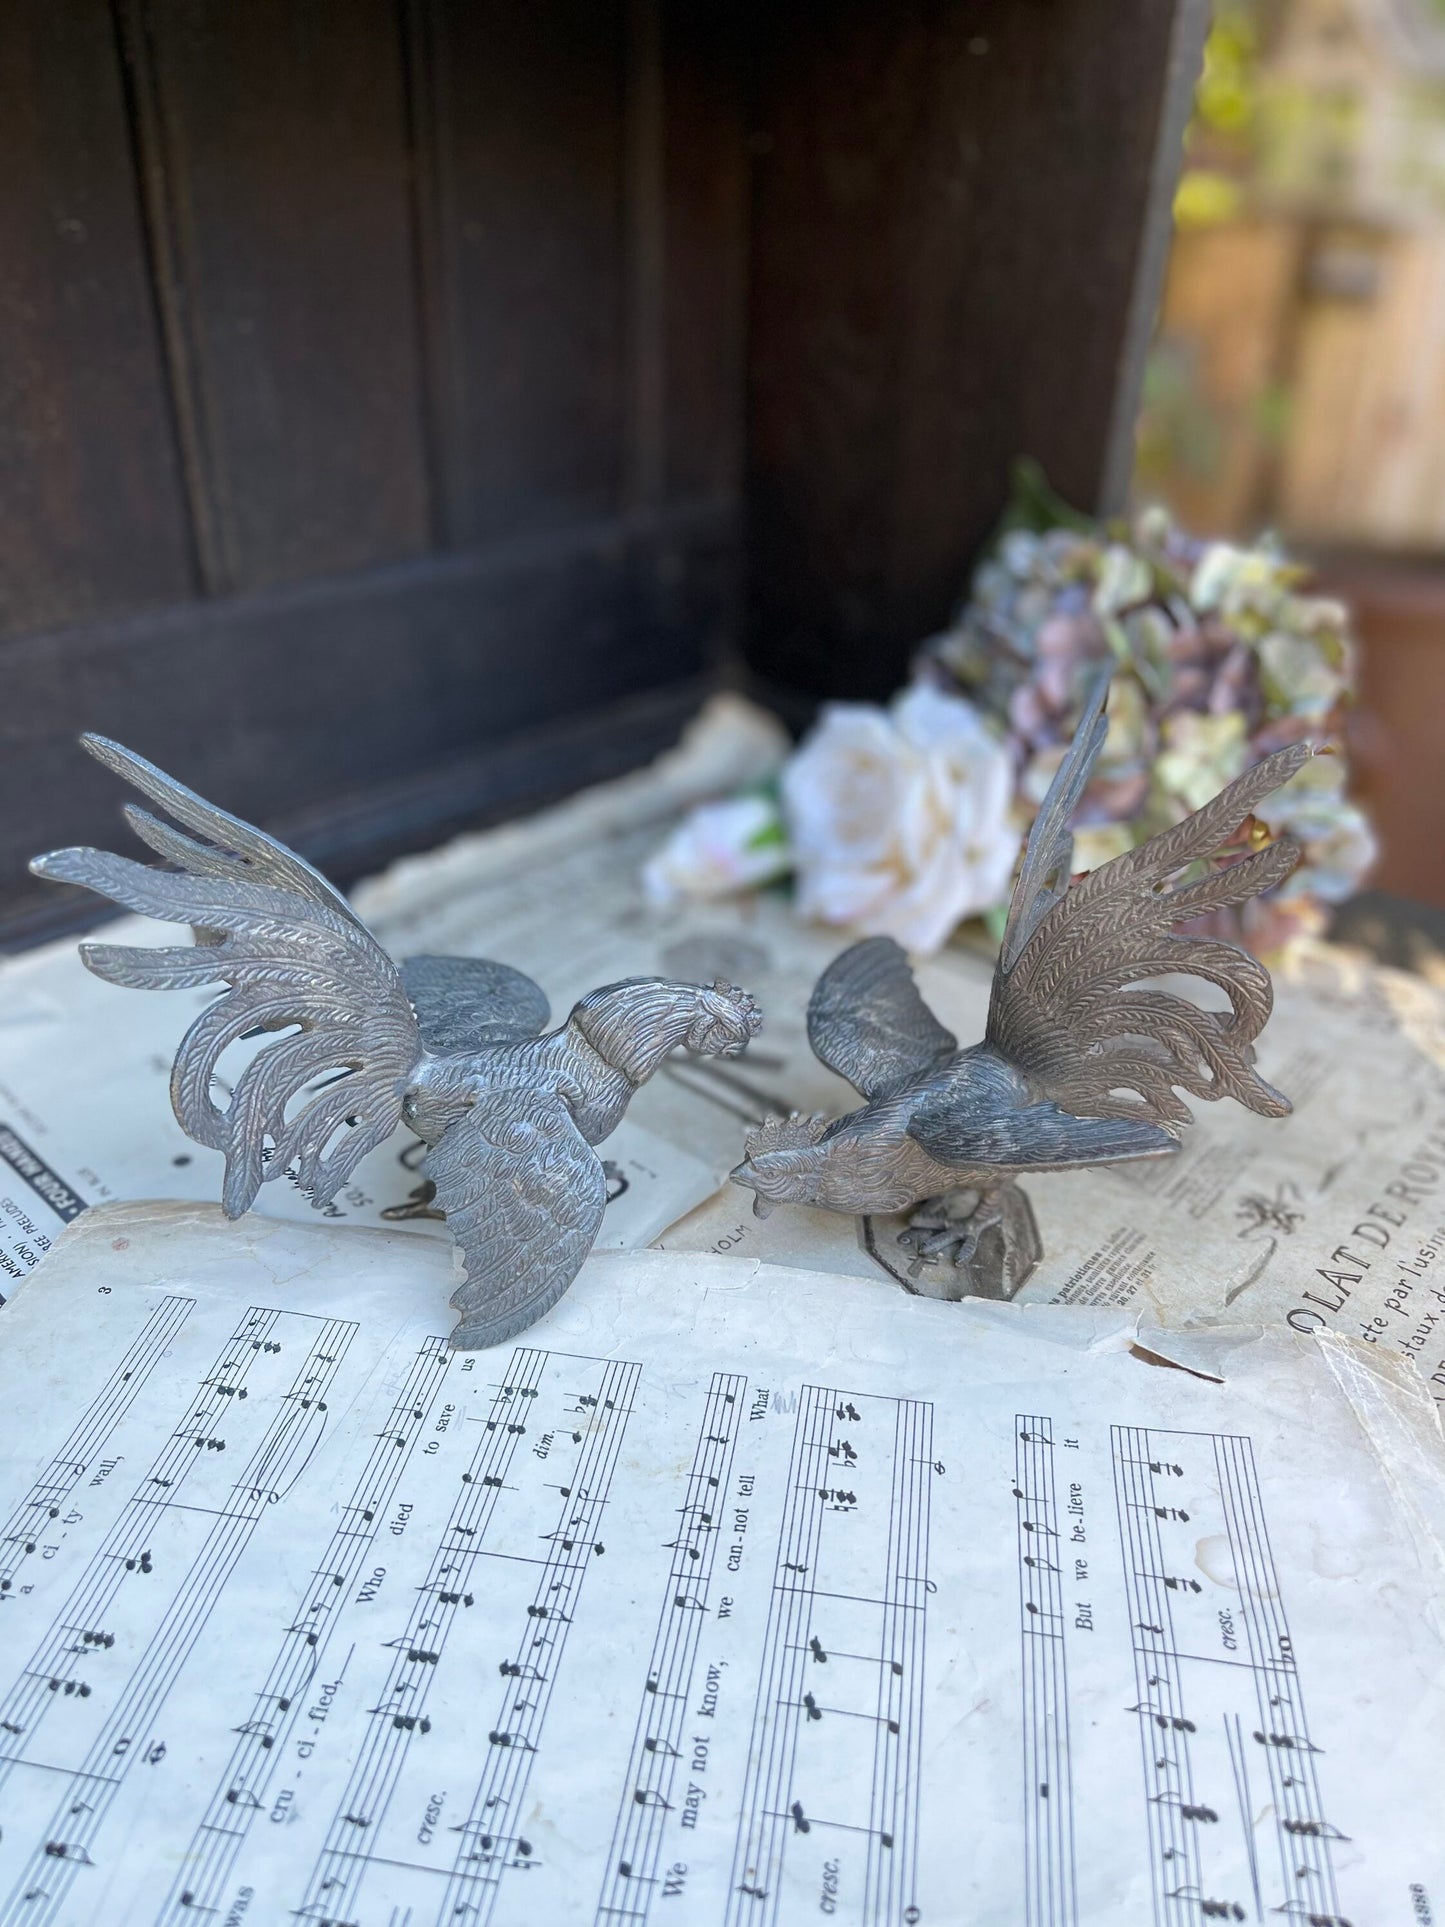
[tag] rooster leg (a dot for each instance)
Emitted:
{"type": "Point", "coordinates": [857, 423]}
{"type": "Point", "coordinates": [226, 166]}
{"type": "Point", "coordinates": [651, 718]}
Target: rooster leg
{"type": "Point", "coordinates": [973, 1243]}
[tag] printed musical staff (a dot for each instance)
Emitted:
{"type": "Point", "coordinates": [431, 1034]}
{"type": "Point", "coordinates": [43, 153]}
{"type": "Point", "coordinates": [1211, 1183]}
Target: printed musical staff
{"type": "Point", "coordinates": [1050, 1898]}
{"type": "Point", "coordinates": [549, 1440]}
{"type": "Point", "coordinates": [843, 1668]}
{"type": "Point", "coordinates": [124, 1552]}
{"type": "Point", "coordinates": [1219, 1704]}
{"type": "Point", "coordinates": [45, 1502]}
{"type": "Point", "coordinates": [200, 1886]}
{"type": "Point", "coordinates": [177, 1608]}
{"type": "Point", "coordinates": [341, 1866]}
{"type": "Point", "coordinates": [630, 1880]}
{"type": "Point", "coordinates": [1281, 1734]}
{"type": "Point", "coordinates": [489, 1841]}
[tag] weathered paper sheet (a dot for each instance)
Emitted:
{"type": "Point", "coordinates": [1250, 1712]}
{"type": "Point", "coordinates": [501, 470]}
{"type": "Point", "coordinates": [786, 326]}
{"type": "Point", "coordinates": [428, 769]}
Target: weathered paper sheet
{"type": "Point", "coordinates": [84, 1110]}
{"type": "Point", "coordinates": [1333, 1219]}
{"type": "Point", "coordinates": [732, 1595]}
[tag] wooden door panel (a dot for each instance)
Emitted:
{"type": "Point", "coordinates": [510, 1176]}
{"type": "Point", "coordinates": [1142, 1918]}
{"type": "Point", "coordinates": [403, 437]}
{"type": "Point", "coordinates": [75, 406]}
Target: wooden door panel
{"type": "Point", "coordinates": [277, 151]}
{"type": "Point", "coordinates": [93, 520]}
{"type": "Point", "coordinates": [522, 109]}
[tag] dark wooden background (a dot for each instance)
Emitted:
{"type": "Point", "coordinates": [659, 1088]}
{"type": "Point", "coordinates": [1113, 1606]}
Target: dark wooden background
{"type": "Point", "coordinates": [408, 407]}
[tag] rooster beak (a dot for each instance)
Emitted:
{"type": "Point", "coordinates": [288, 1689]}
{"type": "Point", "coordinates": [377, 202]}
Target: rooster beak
{"type": "Point", "coordinates": [745, 1175]}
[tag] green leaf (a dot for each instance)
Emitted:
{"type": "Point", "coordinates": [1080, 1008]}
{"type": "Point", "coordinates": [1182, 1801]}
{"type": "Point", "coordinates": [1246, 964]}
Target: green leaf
{"type": "Point", "coordinates": [1033, 504]}
{"type": "Point", "coordinates": [995, 921]}
{"type": "Point", "coordinates": [772, 836]}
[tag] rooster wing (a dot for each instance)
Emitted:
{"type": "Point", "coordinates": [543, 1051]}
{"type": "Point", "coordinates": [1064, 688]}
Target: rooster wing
{"type": "Point", "coordinates": [867, 1021]}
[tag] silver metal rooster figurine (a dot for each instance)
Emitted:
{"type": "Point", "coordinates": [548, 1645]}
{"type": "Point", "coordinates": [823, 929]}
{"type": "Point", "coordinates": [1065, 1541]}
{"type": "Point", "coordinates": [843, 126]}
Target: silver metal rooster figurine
{"type": "Point", "coordinates": [1075, 1068]}
{"type": "Point", "coordinates": [453, 1046]}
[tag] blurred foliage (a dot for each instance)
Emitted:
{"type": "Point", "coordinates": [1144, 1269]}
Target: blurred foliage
{"type": "Point", "coordinates": [1223, 136]}
{"type": "Point", "coordinates": [1226, 100]}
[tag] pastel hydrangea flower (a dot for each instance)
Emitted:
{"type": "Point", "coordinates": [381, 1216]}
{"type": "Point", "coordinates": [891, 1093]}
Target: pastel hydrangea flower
{"type": "Point", "coordinates": [1220, 657]}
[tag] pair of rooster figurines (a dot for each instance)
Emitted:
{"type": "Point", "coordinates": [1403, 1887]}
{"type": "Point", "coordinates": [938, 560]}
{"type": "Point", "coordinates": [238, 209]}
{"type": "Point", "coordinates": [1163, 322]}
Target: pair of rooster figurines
{"type": "Point", "coordinates": [1082, 1061]}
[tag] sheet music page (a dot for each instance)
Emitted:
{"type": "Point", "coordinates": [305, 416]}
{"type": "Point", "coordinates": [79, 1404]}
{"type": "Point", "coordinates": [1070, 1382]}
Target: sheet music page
{"type": "Point", "coordinates": [730, 1595]}
{"type": "Point", "coordinates": [1331, 1219]}
{"type": "Point", "coordinates": [85, 1114]}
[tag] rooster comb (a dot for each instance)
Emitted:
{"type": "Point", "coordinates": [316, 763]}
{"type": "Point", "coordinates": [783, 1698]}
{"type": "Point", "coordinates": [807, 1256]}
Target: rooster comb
{"type": "Point", "coordinates": [792, 1133]}
{"type": "Point", "coordinates": [742, 1001]}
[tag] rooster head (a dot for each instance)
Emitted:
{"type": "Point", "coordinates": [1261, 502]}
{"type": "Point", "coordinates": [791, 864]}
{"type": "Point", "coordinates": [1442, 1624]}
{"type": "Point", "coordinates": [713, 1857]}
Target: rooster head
{"type": "Point", "coordinates": [783, 1164]}
{"type": "Point", "coordinates": [724, 1021]}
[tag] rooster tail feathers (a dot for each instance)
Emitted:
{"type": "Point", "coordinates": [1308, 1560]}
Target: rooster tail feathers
{"type": "Point", "coordinates": [1064, 1008]}
{"type": "Point", "coordinates": [291, 957]}
{"type": "Point", "coordinates": [232, 846]}
{"type": "Point", "coordinates": [1044, 873]}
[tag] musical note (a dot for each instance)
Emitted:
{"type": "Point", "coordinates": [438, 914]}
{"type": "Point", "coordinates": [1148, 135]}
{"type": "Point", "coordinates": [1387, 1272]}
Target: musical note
{"type": "Point", "coordinates": [61, 1850]}
{"type": "Point", "coordinates": [1314, 1829]}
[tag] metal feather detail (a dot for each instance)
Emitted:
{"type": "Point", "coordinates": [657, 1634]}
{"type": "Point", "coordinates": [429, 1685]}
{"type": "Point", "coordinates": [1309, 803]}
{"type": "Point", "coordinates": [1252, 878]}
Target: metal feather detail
{"type": "Point", "coordinates": [451, 1046]}
{"type": "Point", "coordinates": [1061, 1008]}
{"type": "Point", "coordinates": [1085, 1051]}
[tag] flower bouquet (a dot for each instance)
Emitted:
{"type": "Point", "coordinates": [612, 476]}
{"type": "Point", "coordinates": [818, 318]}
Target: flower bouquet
{"type": "Point", "coordinates": [907, 820]}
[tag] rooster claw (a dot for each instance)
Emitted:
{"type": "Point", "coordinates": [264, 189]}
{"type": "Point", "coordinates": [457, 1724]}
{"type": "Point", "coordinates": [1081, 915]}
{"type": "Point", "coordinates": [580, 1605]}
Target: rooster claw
{"type": "Point", "coordinates": [989, 1241]}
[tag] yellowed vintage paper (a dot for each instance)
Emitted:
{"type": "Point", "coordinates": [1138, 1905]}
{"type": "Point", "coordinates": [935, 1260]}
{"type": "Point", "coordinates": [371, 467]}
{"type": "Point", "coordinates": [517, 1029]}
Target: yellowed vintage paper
{"type": "Point", "coordinates": [729, 1595]}
{"type": "Point", "coordinates": [1332, 1219]}
{"type": "Point", "coordinates": [84, 1110]}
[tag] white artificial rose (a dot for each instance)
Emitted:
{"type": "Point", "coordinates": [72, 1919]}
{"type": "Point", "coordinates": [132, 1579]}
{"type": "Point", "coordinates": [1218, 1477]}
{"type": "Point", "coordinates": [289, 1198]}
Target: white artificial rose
{"type": "Point", "coordinates": [717, 849]}
{"type": "Point", "coordinates": [900, 819]}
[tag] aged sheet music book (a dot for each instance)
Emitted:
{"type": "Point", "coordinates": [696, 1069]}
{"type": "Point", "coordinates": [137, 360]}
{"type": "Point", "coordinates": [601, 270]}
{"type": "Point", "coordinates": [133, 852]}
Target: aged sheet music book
{"type": "Point", "coordinates": [732, 1594]}
{"type": "Point", "coordinates": [1332, 1219]}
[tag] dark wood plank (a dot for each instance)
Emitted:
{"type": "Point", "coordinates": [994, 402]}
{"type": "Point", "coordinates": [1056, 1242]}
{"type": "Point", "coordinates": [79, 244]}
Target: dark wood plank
{"type": "Point", "coordinates": [350, 704]}
{"type": "Point", "coordinates": [705, 176]}
{"type": "Point", "coordinates": [92, 516]}
{"type": "Point", "coordinates": [276, 136]}
{"type": "Point", "coordinates": [950, 203]}
{"type": "Point", "coordinates": [525, 110]}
